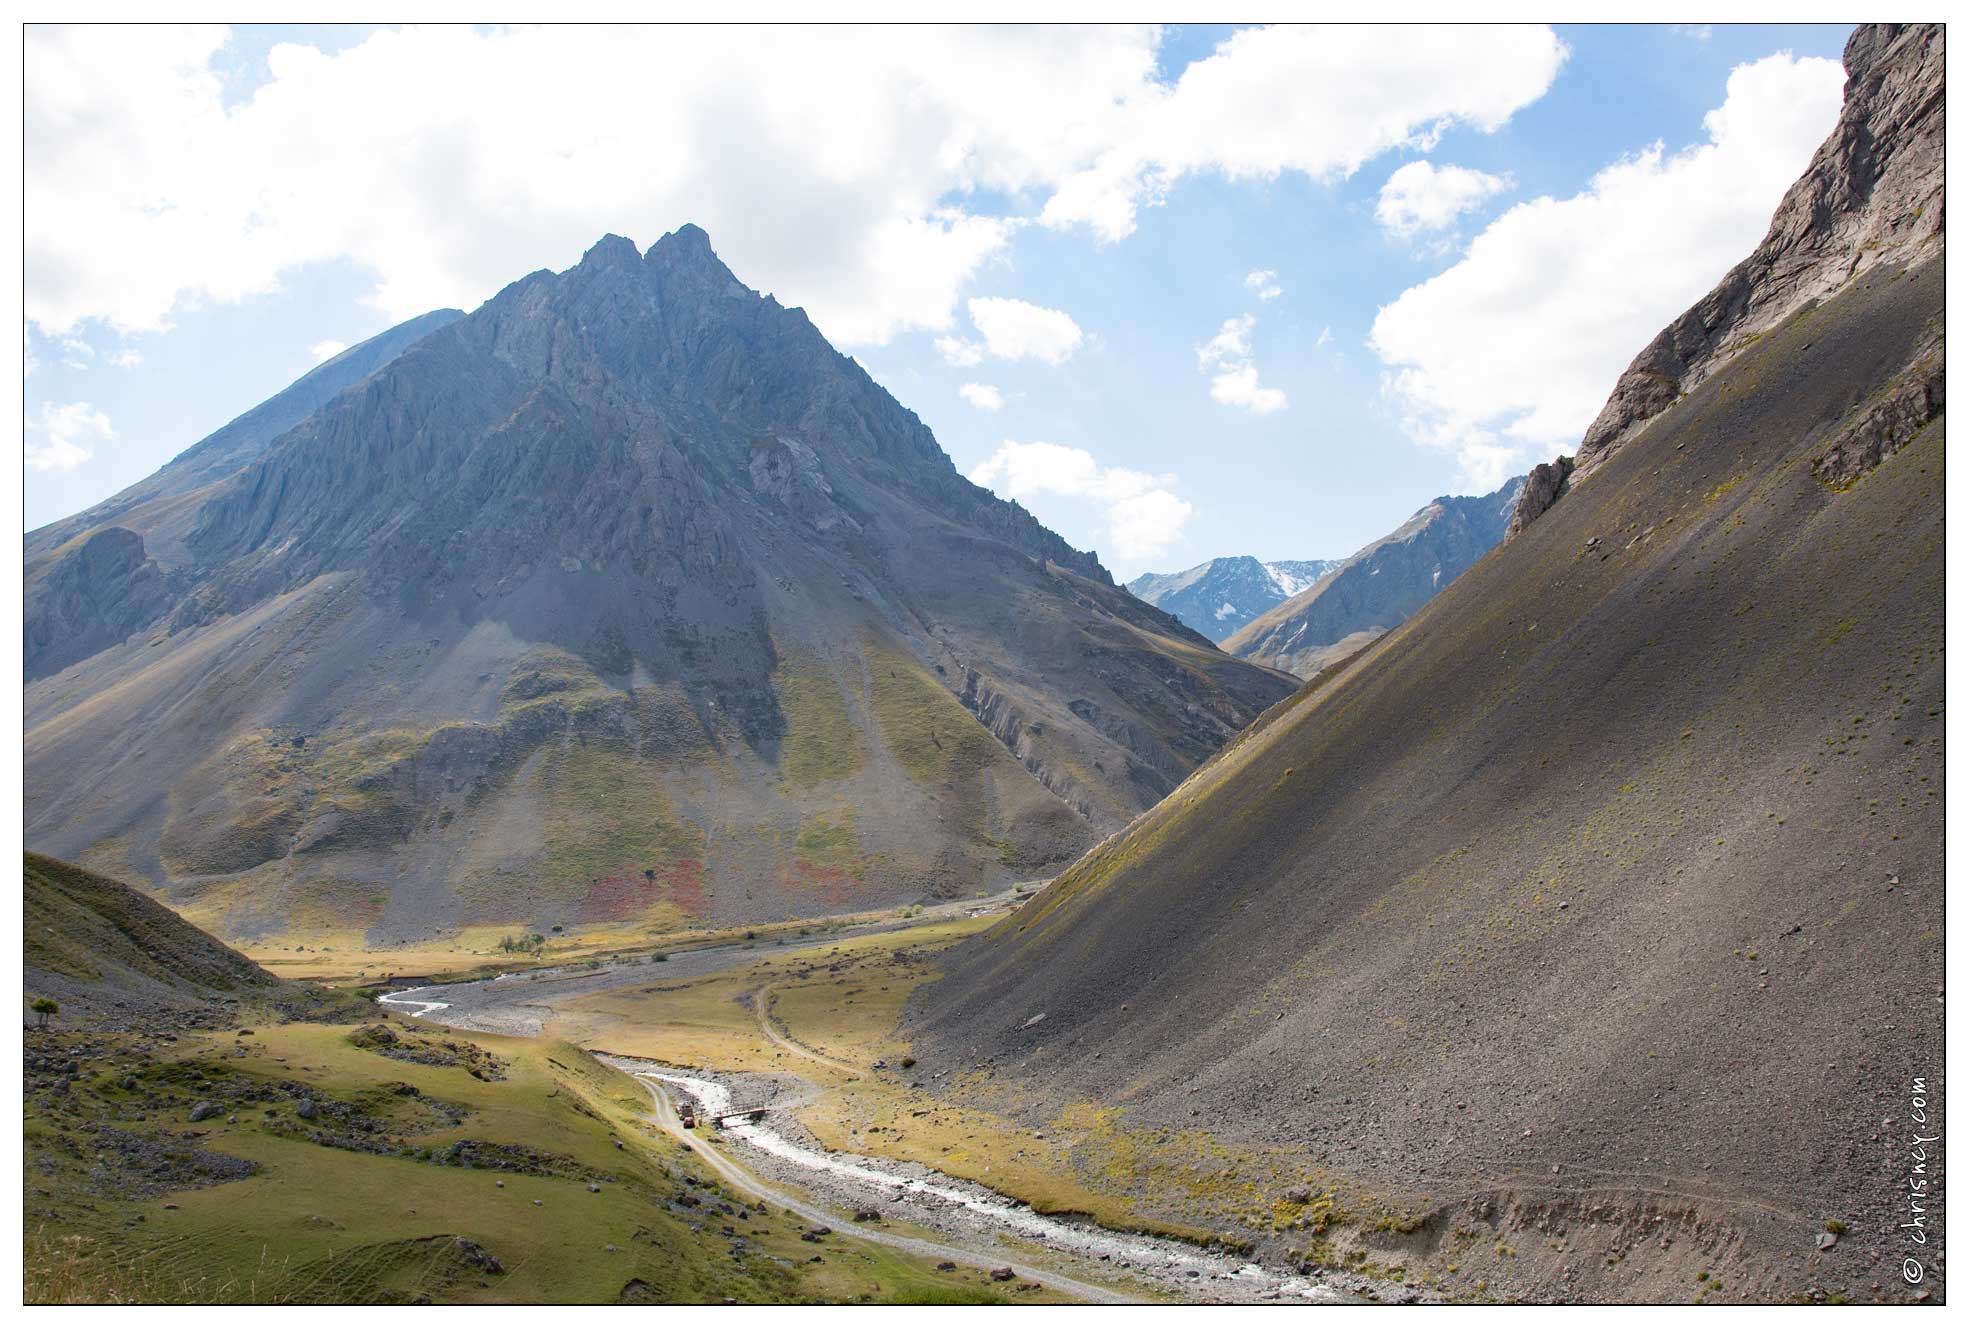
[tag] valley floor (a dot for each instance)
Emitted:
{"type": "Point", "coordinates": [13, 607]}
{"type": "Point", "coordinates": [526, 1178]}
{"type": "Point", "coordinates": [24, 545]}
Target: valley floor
{"type": "Point", "coordinates": [811, 1032]}
{"type": "Point", "coordinates": [518, 1138]}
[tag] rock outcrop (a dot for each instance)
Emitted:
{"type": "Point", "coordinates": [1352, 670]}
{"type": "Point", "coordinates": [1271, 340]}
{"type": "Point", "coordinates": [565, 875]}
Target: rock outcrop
{"type": "Point", "coordinates": [1889, 422]}
{"type": "Point", "coordinates": [90, 594]}
{"type": "Point", "coordinates": [1871, 199]}
{"type": "Point", "coordinates": [1546, 484]}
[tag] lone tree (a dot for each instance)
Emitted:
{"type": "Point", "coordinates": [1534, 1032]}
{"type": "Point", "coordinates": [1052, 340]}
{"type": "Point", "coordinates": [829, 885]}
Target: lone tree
{"type": "Point", "coordinates": [43, 1007]}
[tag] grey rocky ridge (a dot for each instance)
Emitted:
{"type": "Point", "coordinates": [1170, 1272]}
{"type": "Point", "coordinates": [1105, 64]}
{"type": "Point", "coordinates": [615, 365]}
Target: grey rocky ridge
{"type": "Point", "coordinates": [1582, 937]}
{"type": "Point", "coordinates": [1379, 586]}
{"type": "Point", "coordinates": [623, 597]}
{"type": "Point", "coordinates": [95, 577]}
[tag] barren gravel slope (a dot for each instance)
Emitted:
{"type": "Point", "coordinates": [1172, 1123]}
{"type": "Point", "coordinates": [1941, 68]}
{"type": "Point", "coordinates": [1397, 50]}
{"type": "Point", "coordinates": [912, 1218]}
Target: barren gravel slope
{"type": "Point", "coordinates": [1614, 875]}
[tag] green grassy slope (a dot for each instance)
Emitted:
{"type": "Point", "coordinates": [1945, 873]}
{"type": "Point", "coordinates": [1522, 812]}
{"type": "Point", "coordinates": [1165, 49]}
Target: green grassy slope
{"type": "Point", "coordinates": [187, 1140]}
{"type": "Point", "coordinates": [487, 1171]}
{"type": "Point", "coordinates": [84, 932]}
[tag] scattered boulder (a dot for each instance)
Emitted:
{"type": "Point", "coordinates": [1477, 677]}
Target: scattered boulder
{"type": "Point", "coordinates": [1004, 1275]}
{"type": "Point", "coordinates": [306, 1110]}
{"type": "Point", "coordinates": [470, 1252]}
{"type": "Point", "coordinates": [204, 1110]}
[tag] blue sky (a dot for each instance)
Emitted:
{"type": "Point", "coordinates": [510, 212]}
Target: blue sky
{"type": "Point", "coordinates": [1510, 318]}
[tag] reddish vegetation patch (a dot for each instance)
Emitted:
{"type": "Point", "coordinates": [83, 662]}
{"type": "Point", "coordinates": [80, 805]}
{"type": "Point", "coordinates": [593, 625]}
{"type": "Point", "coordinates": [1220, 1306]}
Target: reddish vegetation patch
{"type": "Point", "coordinates": [680, 883]}
{"type": "Point", "coordinates": [836, 885]}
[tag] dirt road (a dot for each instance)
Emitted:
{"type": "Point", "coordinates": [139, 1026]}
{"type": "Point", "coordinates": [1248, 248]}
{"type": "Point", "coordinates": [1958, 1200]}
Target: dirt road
{"type": "Point", "coordinates": [779, 1163]}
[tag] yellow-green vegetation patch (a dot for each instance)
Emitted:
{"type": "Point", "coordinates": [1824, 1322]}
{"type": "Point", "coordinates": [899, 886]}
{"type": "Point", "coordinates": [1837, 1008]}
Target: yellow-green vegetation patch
{"type": "Point", "coordinates": [1194, 1178]}
{"type": "Point", "coordinates": [243, 806]}
{"type": "Point", "coordinates": [607, 815]}
{"type": "Point", "coordinates": [548, 671]}
{"type": "Point", "coordinates": [925, 728]}
{"type": "Point", "coordinates": [827, 834]}
{"type": "Point", "coordinates": [327, 905]}
{"type": "Point", "coordinates": [111, 857]}
{"type": "Point", "coordinates": [821, 742]}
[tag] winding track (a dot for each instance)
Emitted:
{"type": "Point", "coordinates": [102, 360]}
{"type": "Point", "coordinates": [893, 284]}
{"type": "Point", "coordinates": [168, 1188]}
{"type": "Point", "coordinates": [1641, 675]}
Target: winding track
{"type": "Point", "coordinates": [515, 1005]}
{"type": "Point", "coordinates": [665, 1118]}
{"type": "Point", "coordinates": [762, 1006]}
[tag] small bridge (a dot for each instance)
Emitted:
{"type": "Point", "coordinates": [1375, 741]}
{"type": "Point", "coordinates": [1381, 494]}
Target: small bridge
{"type": "Point", "coordinates": [739, 1115]}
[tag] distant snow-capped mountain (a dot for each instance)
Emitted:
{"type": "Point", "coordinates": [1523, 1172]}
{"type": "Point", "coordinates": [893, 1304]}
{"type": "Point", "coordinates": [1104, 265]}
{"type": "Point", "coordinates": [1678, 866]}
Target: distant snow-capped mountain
{"type": "Point", "coordinates": [1221, 596]}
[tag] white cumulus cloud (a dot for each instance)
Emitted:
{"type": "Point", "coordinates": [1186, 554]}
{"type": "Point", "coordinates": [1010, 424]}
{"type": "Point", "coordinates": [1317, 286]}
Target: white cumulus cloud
{"type": "Point", "coordinates": [1144, 515]}
{"type": "Point", "coordinates": [1264, 283]}
{"type": "Point", "coordinates": [1237, 385]}
{"type": "Point", "coordinates": [1318, 100]}
{"type": "Point", "coordinates": [1423, 197]}
{"type": "Point", "coordinates": [1014, 330]}
{"type": "Point", "coordinates": [1507, 356]}
{"type": "Point", "coordinates": [1232, 342]}
{"type": "Point", "coordinates": [1235, 380]}
{"type": "Point", "coordinates": [61, 438]}
{"type": "Point", "coordinates": [828, 166]}
{"type": "Point", "coordinates": [327, 350]}
{"type": "Point", "coordinates": [983, 396]}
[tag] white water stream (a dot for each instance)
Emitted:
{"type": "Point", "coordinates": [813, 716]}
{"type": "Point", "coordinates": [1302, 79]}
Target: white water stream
{"type": "Point", "coordinates": [1149, 1255]}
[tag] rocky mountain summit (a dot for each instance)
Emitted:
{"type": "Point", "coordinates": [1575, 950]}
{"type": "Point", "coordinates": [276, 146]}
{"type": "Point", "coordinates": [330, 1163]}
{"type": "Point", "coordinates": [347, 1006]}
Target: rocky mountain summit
{"type": "Point", "coordinates": [625, 596]}
{"type": "Point", "coordinates": [1870, 199]}
{"type": "Point", "coordinates": [1221, 596]}
{"type": "Point", "coordinates": [1380, 586]}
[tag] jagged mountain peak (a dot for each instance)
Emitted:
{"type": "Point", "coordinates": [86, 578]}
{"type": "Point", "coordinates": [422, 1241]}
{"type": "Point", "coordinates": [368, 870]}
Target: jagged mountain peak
{"type": "Point", "coordinates": [632, 548]}
{"type": "Point", "coordinates": [612, 251]}
{"type": "Point", "coordinates": [688, 243]}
